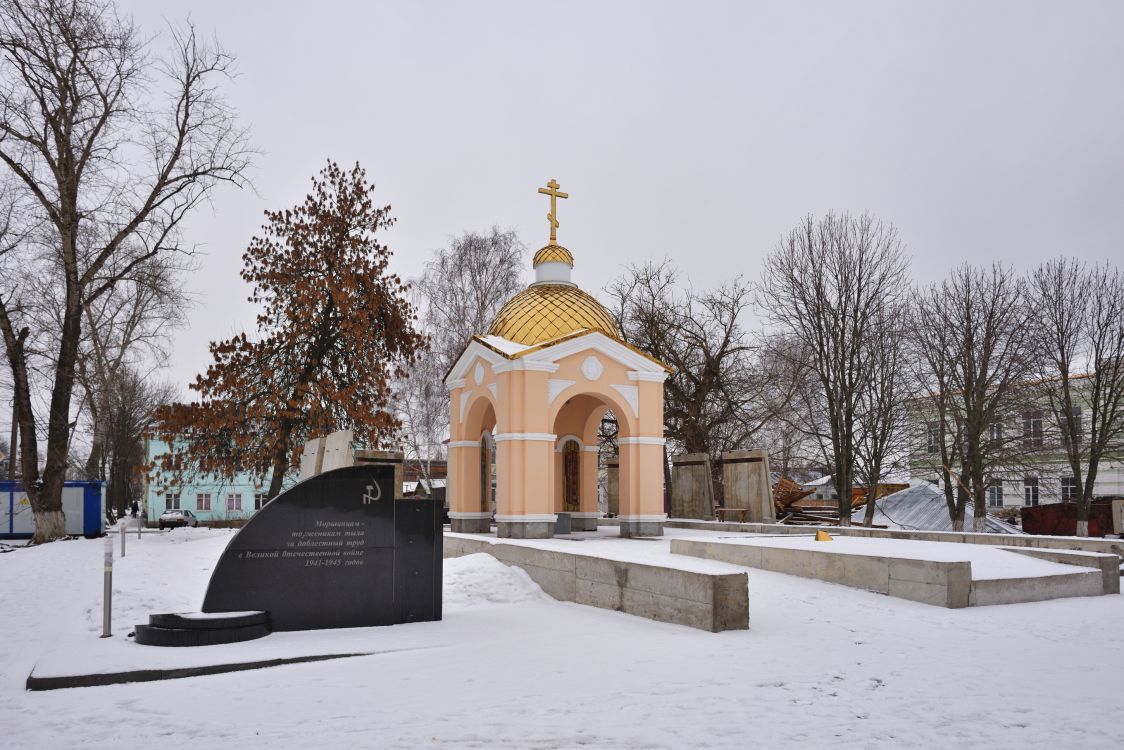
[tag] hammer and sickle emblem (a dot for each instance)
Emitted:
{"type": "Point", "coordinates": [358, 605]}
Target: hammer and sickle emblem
{"type": "Point", "coordinates": [367, 498]}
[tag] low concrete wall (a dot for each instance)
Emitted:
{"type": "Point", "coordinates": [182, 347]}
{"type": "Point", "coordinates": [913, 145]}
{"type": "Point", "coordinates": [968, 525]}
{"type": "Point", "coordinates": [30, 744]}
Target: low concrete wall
{"type": "Point", "coordinates": [708, 601]}
{"type": "Point", "coordinates": [1106, 546]}
{"type": "Point", "coordinates": [1108, 565]}
{"type": "Point", "coordinates": [945, 584]}
{"type": "Point", "coordinates": [1038, 589]}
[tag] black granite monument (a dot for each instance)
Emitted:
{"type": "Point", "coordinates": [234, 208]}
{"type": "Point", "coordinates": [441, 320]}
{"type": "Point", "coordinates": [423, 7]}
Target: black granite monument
{"type": "Point", "coordinates": [335, 551]}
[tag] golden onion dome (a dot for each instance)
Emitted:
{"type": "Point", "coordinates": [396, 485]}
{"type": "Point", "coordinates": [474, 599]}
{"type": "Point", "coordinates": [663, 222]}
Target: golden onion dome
{"type": "Point", "coordinates": [553, 253]}
{"type": "Point", "coordinates": [543, 312]}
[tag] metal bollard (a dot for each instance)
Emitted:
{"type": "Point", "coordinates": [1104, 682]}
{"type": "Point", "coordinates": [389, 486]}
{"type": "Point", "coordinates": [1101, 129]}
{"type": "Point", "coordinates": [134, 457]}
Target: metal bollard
{"type": "Point", "coordinates": [123, 525]}
{"type": "Point", "coordinates": [140, 525]}
{"type": "Point", "coordinates": [107, 591]}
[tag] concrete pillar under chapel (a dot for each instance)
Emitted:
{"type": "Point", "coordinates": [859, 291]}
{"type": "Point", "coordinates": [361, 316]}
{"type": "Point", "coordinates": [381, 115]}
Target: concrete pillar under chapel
{"type": "Point", "coordinates": [692, 492]}
{"type": "Point", "coordinates": [469, 513]}
{"type": "Point", "coordinates": [586, 517]}
{"type": "Point", "coordinates": [745, 478]}
{"type": "Point", "coordinates": [613, 487]}
{"type": "Point", "coordinates": [641, 481]}
{"type": "Point", "coordinates": [525, 486]}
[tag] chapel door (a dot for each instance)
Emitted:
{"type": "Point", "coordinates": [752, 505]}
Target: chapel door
{"type": "Point", "coordinates": [571, 476]}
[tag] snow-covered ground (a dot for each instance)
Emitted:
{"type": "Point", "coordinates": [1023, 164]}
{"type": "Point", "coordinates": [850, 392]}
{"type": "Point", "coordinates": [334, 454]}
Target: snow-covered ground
{"type": "Point", "coordinates": [820, 666]}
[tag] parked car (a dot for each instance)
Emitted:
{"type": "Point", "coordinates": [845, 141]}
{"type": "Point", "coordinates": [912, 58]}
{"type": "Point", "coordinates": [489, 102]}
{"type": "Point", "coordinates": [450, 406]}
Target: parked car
{"type": "Point", "coordinates": [172, 518]}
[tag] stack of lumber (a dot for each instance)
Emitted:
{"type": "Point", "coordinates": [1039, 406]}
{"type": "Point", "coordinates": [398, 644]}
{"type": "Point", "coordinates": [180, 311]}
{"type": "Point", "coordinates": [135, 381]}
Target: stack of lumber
{"type": "Point", "coordinates": [786, 493]}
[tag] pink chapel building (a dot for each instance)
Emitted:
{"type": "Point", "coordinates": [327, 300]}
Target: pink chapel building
{"type": "Point", "coordinates": [532, 392]}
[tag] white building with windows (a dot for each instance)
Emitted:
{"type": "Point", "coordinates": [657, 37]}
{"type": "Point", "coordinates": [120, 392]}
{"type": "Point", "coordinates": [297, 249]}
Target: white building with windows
{"type": "Point", "coordinates": [214, 500]}
{"type": "Point", "coordinates": [1038, 472]}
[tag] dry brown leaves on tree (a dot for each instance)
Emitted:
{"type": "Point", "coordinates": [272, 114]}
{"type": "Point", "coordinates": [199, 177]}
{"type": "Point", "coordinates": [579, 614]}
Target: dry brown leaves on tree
{"type": "Point", "coordinates": [334, 331]}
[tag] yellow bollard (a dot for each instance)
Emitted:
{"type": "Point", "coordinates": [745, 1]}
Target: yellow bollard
{"type": "Point", "coordinates": [823, 536]}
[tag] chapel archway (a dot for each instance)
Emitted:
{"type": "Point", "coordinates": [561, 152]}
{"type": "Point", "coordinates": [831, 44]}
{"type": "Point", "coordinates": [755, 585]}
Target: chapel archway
{"type": "Point", "coordinates": [577, 463]}
{"type": "Point", "coordinates": [474, 469]}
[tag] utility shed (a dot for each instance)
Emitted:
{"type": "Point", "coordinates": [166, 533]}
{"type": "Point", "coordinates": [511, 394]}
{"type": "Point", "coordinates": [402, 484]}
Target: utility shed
{"type": "Point", "coordinates": [83, 502]}
{"type": "Point", "coordinates": [922, 507]}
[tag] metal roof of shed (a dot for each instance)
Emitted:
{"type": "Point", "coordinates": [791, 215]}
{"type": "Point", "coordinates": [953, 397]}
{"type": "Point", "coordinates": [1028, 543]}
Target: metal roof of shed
{"type": "Point", "coordinates": [923, 507]}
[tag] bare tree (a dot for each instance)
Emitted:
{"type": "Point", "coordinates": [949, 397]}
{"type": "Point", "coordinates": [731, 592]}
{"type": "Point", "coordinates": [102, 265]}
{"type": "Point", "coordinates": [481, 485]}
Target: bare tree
{"type": "Point", "coordinates": [727, 384]}
{"type": "Point", "coordinates": [463, 288]}
{"type": "Point", "coordinates": [127, 328]}
{"type": "Point", "coordinates": [1079, 333]}
{"type": "Point", "coordinates": [827, 284]}
{"type": "Point", "coordinates": [788, 445]}
{"type": "Point", "coordinates": [971, 337]}
{"type": "Point", "coordinates": [112, 159]}
{"type": "Point", "coordinates": [465, 285]}
{"type": "Point", "coordinates": [724, 388]}
{"type": "Point", "coordinates": [881, 446]}
{"type": "Point", "coordinates": [126, 414]}
{"type": "Point", "coordinates": [423, 410]}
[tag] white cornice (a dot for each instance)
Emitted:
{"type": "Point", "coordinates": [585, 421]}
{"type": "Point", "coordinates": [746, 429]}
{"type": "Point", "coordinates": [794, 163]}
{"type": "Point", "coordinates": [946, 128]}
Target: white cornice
{"type": "Point", "coordinates": [504, 437]}
{"type": "Point", "coordinates": [648, 377]}
{"type": "Point", "coordinates": [640, 441]}
{"type": "Point", "coordinates": [464, 444]}
{"type": "Point", "coordinates": [452, 385]}
{"type": "Point", "coordinates": [523, 363]}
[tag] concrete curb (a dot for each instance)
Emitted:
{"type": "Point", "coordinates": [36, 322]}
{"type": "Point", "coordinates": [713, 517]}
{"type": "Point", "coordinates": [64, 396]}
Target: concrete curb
{"type": "Point", "coordinates": [153, 675]}
{"type": "Point", "coordinates": [940, 583]}
{"type": "Point", "coordinates": [708, 601]}
{"type": "Point", "coordinates": [944, 584]}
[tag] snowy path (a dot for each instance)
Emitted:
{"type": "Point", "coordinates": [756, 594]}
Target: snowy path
{"type": "Point", "coordinates": [821, 664]}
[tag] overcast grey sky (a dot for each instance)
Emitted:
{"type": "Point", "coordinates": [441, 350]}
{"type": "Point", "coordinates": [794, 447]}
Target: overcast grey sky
{"type": "Point", "coordinates": [700, 131]}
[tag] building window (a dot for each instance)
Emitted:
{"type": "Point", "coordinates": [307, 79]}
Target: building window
{"type": "Point", "coordinates": [203, 501]}
{"type": "Point", "coordinates": [1030, 491]}
{"type": "Point", "coordinates": [933, 444]}
{"type": "Point", "coordinates": [1032, 429]}
{"type": "Point", "coordinates": [234, 501]}
{"type": "Point", "coordinates": [172, 500]}
{"type": "Point", "coordinates": [259, 500]}
{"type": "Point", "coordinates": [1069, 490]}
{"type": "Point", "coordinates": [1078, 426]}
{"type": "Point", "coordinates": [995, 433]}
{"type": "Point", "coordinates": [995, 494]}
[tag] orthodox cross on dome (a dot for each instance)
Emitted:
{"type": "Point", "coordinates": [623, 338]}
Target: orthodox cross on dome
{"type": "Point", "coordinates": [552, 217]}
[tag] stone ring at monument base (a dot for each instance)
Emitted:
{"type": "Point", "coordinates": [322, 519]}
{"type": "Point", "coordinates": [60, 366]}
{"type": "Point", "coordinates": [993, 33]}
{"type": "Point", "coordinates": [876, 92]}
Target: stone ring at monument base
{"type": "Point", "coordinates": [202, 629]}
{"type": "Point", "coordinates": [334, 551]}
